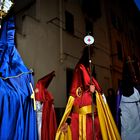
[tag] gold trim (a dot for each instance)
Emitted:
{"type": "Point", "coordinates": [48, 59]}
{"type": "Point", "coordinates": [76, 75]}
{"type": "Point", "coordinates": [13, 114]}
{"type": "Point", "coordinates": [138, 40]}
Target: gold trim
{"type": "Point", "coordinates": [79, 92]}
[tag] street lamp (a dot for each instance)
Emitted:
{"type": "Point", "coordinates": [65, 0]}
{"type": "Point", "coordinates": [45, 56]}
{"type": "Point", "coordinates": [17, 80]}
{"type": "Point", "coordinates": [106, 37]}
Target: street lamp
{"type": "Point", "coordinates": [5, 6]}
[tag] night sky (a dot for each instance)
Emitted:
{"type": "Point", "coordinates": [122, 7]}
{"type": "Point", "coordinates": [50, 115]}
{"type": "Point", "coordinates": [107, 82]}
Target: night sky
{"type": "Point", "coordinates": [137, 3]}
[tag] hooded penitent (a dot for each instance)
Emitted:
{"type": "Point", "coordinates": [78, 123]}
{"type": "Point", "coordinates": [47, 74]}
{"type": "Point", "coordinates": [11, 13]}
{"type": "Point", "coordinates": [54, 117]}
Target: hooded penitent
{"type": "Point", "coordinates": [17, 115]}
{"type": "Point", "coordinates": [48, 117]}
{"type": "Point", "coordinates": [130, 101]}
{"type": "Point", "coordinates": [80, 108]}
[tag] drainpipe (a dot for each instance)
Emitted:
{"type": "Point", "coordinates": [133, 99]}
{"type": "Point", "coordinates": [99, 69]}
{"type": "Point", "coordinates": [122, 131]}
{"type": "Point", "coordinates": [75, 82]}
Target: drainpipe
{"type": "Point", "coordinates": [61, 31]}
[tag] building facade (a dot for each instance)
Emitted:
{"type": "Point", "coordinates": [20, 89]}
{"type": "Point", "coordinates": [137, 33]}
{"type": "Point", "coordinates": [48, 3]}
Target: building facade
{"type": "Point", "coordinates": [123, 20]}
{"type": "Point", "coordinates": [50, 37]}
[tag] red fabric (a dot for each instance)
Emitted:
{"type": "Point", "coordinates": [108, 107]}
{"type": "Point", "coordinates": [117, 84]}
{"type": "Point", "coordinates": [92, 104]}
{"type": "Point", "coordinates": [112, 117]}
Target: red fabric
{"type": "Point", "coordinates": [49, 126]}
{"type": "Point", "coordinates": [82, 79]}
{"type": "Point", "coordinates": [42, 85]}
{"type": "Point", "coordinates": [86, 77]}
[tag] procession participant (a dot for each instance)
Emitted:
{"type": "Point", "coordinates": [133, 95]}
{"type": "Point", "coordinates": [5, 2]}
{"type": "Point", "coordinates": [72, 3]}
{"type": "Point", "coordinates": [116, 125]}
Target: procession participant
{"type": "Point", "coordinates": [81, 124]}
{"type": "Point", "coordinates": [130, 101]}
{"type": "Point", "coordinates": [17, 113]}
{"type": "Point", "coordinates": [45, 108]}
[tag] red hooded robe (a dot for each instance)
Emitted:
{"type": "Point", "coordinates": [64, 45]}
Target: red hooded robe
{"type": "Point", "coordinates": [80, 108]}
{"type": "Point", "coordinates": [83, 99]}
{"type": "Point", "coordinates": [49, 126]}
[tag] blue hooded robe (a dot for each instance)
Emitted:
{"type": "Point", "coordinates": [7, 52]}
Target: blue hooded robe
{"type": "Point", "coordinates": [17, 115]}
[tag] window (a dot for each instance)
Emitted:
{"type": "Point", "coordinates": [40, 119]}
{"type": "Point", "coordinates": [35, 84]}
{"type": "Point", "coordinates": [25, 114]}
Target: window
{"type": "Point", "coordinates": [69, 22]}
{"type": "Point", "coordinates": [116, 22]}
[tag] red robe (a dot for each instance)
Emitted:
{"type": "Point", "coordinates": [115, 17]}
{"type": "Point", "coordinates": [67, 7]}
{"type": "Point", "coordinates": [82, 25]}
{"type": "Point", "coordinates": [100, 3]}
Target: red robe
{"type": "Point", "coordinates": [48, 128]}
{"type": "Point", "coordinates": [81, 80]}
{"type": "Point", "coordinates": [79, 107]}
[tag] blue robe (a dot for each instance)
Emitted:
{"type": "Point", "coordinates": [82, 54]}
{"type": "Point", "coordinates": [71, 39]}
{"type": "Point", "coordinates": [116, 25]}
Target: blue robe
{"type": "Point", "coordinates": [17, 115]}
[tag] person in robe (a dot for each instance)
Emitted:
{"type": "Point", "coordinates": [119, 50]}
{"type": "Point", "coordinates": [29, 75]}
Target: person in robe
{"type": "Point", "coordinates": [82, 113]}
{"type": "Point", "coordinates": [87, 115]}
{"type": "Point", "coordinates": [17, 114]}
{"type": "Point", "coordinates": [82, 89]}
{"type": "Point", "coordinates": [130, 101]}
{"type": "Point", "coordinates": [45, 108]}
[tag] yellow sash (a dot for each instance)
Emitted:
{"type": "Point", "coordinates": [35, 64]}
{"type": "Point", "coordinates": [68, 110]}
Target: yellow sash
{"type": "Point", "coordinates": [59, 134]}
{"type": "Point", "coordinates": [108, 127]}
{"type": "Point", "coordinates": [82, 119]}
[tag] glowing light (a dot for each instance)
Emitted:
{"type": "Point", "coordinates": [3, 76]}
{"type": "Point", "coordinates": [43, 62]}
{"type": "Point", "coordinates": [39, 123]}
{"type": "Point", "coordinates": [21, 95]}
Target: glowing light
{"type": "Point", "coordinates": [89, 39]}
{"type": "Point", "coordinates": [5, 5]}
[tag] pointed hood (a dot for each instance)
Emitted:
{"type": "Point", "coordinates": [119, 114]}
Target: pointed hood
{"type": "Point", "coordinates": [11, 64]}
{"type": "Point", "coordinates": [42, 85]}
